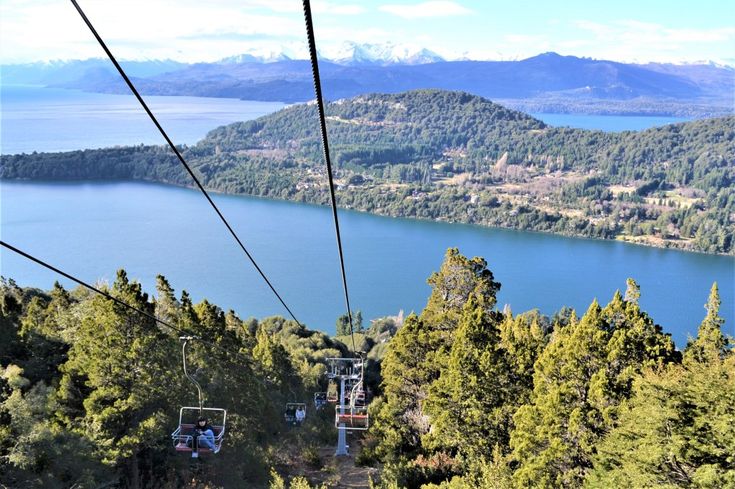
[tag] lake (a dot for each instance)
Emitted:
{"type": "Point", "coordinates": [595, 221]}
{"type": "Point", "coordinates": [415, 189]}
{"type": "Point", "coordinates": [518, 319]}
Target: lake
{"type": "Point", "coordinates": [51, 119]}
{"type": "Point", "coordinates": [608, 123]}
{"type": "Point", "coordinates": [91, 229]}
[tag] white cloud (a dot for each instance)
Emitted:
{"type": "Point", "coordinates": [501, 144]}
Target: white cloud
{"type": "Point", "coordinates": [187, 30]}
{"type": "Point", "coordinates": [523, 38]}
{"type": "Point", "coordinates": [135, 29]}
{"type": "Point", "coordinates": [320, 7]}
{"type": "Point", "coordinates": [438, 8]}
{"type": "Point", "coordinates": [633, 40]}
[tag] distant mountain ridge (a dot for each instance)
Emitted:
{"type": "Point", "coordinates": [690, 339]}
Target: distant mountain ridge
{"type": "Point", "coordinates": [71, 71]}
{"type": "Point", "coordinates": [547, 82]}
{"type": "Point", "coordinates": [355, 54]}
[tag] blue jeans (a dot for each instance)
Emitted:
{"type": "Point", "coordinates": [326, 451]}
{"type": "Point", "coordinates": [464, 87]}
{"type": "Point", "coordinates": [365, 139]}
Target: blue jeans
{"type": "Point", "coordinates": [206, 440]}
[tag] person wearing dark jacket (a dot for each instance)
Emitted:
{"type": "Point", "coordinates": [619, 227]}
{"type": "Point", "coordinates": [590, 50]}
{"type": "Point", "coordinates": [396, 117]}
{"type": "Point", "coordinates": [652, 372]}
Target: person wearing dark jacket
{"type": "Point", "coordinates": [203, 435]}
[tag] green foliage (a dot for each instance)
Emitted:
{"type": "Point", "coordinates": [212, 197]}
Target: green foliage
{"type": "Point", "coordinates": [677, 429]}
{"type": "Point", "coordinates": [472, 402]}
{"type": "Point", "coordinates": [710, 343]}
{"type": "Point", "coordinates": [273, 358]}
{"type": "Point", "coordinates": [580, 380]}
{"type": "Point", "coordinates": [90, 391]}
{"type": "Point", "coordinates": [343, 324]}
{"type": "Point", "coordinates": [415, 359]}
{"type": "Point", "coordinates": [465, 396]}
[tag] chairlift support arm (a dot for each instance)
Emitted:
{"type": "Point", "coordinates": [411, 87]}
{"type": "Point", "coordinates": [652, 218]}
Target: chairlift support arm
{"type": "Point", "coordinates": [186, 340]}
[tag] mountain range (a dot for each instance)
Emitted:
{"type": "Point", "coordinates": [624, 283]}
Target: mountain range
{"type": "Point", "coordinates": [548, 82]}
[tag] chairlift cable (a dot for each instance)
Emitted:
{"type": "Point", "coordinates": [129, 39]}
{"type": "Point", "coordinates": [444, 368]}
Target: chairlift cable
{"type": "Point", "coordinates": [178, 154]}
{"type": "Point", "coordinates": [327, 159]}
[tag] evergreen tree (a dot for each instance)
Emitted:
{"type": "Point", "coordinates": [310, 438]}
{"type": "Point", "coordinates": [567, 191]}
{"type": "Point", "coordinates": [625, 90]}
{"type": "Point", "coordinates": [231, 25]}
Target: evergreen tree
{"type": "Point", "coordinates": [554, 435]}
{"type": "Point", "coordinates": [417, 354]}
{"type": "Point", "coordinates": [710, 341]}
{"type": "Point", "coordinates": [472, 402]}
{"type": "Point", "coordinates": [458, 279]}
{"type": "Point", "coordinates": [166, 305]}
{"type": "Point", "coordinates": [274, 360]}
{"type": "Point", "coordinates": [400, 420]}
{"type": "Point", "coordinates": [119, 373]}
{"type": "Point", "coordinates": [580, 380]}
{"type": "Point", "coordinates": [678, 429]}
{"type": "Point", "coordinates": [342, 327]}
{"type": "Point", "coordinates": [523, 338]}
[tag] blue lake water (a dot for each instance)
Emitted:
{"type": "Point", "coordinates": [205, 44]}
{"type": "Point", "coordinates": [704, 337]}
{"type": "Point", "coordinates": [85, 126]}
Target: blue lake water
{"type": "Point", "coordinates": [608, 123]}
{"type": "Point", "coordinates": [50, 119]}
{"type": "Point", "coordinates": [91, 229]}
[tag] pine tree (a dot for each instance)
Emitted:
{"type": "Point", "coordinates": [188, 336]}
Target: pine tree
{"type": "Point", "coordinates": [400, 421]}
{"type": "Point", "coordinates": [710, 341]}
{"type": "Point", "coordinates": [273, 359]}
{"type": "Point", "coordinates": [523, 338]}
{"type": "Point", "coordinates": [417, 354]}
{"type": "Point", "coordinates": [166, 305]}
{"type": "Point", "coordinates": [554, 434]}
{"type": "Point", "coordinates": [458, 279]}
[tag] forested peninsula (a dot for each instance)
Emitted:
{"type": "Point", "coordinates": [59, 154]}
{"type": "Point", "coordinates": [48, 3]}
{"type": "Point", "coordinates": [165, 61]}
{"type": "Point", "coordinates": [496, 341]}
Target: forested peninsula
{"type": "Point", "coordinates": [455, 157]}
{"type": "Point", "coordinates": [462, 395]}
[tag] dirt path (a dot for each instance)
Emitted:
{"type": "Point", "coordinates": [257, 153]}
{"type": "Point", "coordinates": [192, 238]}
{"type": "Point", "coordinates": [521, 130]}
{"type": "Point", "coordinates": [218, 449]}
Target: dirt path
{"type": "Point", "coordinates": [337, 472]}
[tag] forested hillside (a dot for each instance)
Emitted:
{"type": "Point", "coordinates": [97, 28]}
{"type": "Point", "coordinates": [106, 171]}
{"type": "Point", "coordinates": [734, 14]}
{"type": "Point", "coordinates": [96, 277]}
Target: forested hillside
{"type": "Point", "coordinates": [463, 395]}
{"type": "Point", "coordinates": [457, 157]}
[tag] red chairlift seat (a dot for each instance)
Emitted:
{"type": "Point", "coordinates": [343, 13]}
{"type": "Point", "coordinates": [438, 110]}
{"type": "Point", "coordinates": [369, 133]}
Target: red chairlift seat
{"type": "Point", "coordinates": [355, 418]}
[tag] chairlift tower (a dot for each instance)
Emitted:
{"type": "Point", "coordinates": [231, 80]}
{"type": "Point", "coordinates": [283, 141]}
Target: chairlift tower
{"type": "Point", "coordinates": [349, 373]}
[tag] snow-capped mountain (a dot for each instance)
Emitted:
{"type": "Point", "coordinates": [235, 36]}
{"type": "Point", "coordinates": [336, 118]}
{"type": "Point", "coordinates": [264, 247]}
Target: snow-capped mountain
{"type": "Point", "coordinates": [354, 54]}
{"type": "Point", "coordinates": [348, 54]}
{"type": "Point", "coordinates": [270, 57]}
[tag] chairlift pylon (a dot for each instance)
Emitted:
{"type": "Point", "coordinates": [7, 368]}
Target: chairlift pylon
{"type": "Point", "coordinates": [351, 413]}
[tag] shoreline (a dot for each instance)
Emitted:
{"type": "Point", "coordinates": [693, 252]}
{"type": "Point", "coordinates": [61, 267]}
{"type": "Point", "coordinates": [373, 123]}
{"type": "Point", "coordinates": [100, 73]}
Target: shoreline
{"type": "Point", "coordinates": [617, 239]}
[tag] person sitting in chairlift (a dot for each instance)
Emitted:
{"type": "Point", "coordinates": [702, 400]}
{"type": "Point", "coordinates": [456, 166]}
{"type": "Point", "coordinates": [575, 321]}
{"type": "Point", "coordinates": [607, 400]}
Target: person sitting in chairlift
{"type": "Point", "coordinates": [204, 434]}
{"type": "Point", "coordinates": [300, 415]}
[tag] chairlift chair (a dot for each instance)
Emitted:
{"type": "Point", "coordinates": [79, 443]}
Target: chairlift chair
{"type": "Point", "coordinates": [291, 415]}
{"type": "Point", "coordinates": [353, 415]}
{"type": "Point", "coordinates": [186, 438]}
{"type": "Point", "coordinates": [320, 400]}
{"type": "Point", "coordinates": [183, 437]}
{"type": "Point", "coordinates": [332, 391]}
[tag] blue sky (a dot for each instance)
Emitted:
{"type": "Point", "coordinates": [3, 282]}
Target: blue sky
{"type": "Point", "coordinates": [198, 30]}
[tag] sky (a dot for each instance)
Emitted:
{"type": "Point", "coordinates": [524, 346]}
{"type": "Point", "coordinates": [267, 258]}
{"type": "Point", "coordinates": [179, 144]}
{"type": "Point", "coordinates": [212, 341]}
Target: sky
{"type": "Point", "coordinates": [208, 30]}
